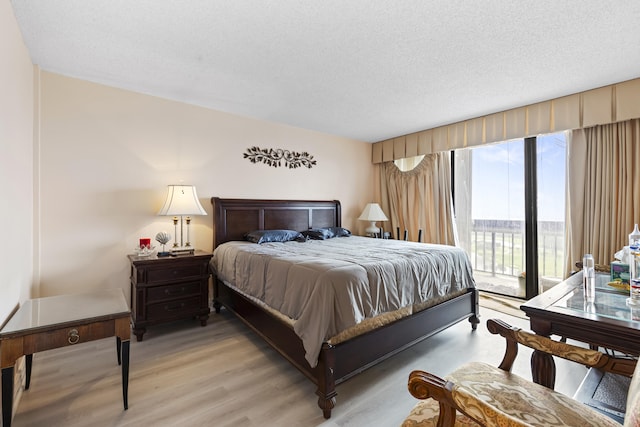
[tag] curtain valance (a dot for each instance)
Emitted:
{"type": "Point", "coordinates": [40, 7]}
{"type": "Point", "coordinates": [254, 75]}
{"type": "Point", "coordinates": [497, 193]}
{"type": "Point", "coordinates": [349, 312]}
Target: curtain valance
{"type": "Point", "coordinates": [604, 105]}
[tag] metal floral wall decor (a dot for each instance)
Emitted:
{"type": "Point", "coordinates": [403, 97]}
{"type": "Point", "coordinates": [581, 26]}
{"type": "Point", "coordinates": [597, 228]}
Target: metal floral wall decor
{"type": "Point", "coordinates": [276, 156]}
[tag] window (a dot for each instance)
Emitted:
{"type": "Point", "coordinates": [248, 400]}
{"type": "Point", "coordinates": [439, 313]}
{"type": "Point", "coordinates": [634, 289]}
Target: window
{"type": "Point", "coordinates": [490, 194]}
{"type": "Point", "coordinates": [551, 173]}
{"type": "Point", "coordinates": [408, 163]}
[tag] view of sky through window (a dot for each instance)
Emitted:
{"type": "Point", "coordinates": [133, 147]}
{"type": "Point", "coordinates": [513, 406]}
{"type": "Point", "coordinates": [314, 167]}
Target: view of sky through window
{"type": "Point", "coordinates": [500, 168]}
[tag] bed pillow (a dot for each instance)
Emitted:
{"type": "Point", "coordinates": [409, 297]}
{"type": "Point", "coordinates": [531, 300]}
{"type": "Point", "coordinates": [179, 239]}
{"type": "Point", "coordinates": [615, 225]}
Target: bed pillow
{"type": "Point", "coordinates": [264, 236]}
{"type": "Point", "coordinates": [340, 232]}
{"type": "Point", "coordinates": [318, 233]}
{"type": "Point", "coordinates": [326, 233]}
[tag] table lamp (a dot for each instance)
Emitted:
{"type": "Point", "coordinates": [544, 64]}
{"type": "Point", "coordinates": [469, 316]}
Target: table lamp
{"type": "Point", "coordinates": [372, 213]}
{"type": "Point", "coordinates": [182, 201]}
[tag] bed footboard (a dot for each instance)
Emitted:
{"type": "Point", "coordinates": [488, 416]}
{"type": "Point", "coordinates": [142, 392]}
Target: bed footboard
{"type": "Point", "coordinates": [337, 363]}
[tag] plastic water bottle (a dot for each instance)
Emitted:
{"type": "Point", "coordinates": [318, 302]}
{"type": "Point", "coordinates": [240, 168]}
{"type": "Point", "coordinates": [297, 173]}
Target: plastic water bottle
{"type": "Point", "coordinates": [634, 292]}
{"type": "Point", "coordinates": [634, 237]}
{"type": "Point", "coordinates": [634, 267]}
{"type": "Point", "coordinates": [589, 277]}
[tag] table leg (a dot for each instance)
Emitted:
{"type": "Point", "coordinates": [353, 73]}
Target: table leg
{"type": "Point", "coordinates": [118, 349]}
{"type": "Point", "coordinates": [543, 369]}
{"type": "Point", "coordinates": [125, 373]}
{"type": "Point", "coordinates": [7, 395]}
{"type": "Point", "coordinates": [28, 359]}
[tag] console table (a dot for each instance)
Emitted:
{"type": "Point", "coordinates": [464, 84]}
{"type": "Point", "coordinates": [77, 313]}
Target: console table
{"type": "Point", "coordinates": [47, 323]}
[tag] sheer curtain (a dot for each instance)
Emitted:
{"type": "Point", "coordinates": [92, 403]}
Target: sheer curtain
{"type": "Point", "coordinates": [603, 190]}
{"type": "Point", "coordinates": [420, 199]}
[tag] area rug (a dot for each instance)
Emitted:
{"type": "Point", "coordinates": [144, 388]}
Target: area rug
{"type": "Point", "coordinates": [510, 306]}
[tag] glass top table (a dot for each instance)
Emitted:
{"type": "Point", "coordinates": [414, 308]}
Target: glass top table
{"type": "Point", "coordinates": [609, 302]}
{"type": "Point", "coordinates": [46, 323]}
{"type": "Point", "coordinates": [609, 322]}
{"type": "Point", "coordinates": [57, 310]}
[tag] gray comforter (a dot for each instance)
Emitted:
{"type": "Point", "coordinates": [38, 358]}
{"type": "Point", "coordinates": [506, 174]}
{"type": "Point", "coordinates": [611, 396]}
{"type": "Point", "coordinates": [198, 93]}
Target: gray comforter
{"type": "Point", "coordinates": [327, 286]}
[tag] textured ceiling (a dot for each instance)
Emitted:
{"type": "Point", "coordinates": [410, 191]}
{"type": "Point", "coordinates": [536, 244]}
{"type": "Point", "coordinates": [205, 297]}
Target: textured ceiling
{"type": "Point", "coordinates": [364, 69]}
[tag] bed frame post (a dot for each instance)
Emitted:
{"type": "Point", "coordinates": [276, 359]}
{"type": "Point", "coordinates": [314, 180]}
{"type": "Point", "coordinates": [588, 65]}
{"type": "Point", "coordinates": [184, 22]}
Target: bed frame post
{"type": "Point", "coordinates": [326, 381]}
{"type": "Point", "coordinates": [474, 319]}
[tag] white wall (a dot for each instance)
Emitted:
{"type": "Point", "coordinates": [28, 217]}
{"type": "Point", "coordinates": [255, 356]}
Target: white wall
{"type": "Point", "coordinates": [107, 156]}
{"type": "Point", "coordinates": [16, 165]}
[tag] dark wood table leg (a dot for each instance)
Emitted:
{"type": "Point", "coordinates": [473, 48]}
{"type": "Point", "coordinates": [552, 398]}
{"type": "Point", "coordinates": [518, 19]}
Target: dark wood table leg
{"type": "Point", "coordinates": [543, 369]}
{"type": "Point", "coordinates": [7, 395]}
{"type": "Point", "coordinates": [28, 359]}
{"type": "Point", "coordinates": [125, 373]}
{"type": "Point", "coordinates": [118, 349]}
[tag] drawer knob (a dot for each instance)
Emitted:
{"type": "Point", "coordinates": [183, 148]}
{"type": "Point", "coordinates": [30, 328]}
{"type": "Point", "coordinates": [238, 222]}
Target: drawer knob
{"type": "Point", "coordinates": [73, 336]}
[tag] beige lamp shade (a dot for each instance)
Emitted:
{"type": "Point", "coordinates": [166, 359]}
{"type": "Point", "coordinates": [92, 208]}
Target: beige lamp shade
{"type": "Point", "coordinates": [182, 200]}
{"type": "Point", "coordinates": [372, 213]}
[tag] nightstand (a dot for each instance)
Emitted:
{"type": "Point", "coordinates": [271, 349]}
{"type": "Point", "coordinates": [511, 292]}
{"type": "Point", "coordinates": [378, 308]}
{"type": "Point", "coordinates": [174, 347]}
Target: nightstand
{"type": "Point", "coordinates": [168, 289]}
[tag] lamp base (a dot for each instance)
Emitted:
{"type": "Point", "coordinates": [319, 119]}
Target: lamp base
{"type": "Point", "coordinates": [182, 251]}
{"type": "Point", "coordinates": [372, 229]}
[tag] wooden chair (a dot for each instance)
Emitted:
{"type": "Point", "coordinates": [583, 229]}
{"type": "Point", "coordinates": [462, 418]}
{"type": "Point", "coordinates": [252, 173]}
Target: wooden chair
{"type": "Point", "coordinates": [478, 394]}
{"type": "Point", "coordinates": [406, 234]}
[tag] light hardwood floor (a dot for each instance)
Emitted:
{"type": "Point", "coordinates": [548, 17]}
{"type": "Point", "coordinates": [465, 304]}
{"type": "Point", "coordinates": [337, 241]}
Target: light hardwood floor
{"type": "Point", "coordinates": [183, 374]}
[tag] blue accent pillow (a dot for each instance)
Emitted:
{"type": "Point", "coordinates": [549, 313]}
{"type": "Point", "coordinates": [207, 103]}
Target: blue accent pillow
{"type": "Point", "coordinates": [326, 233]}
{"type": "Point", "coordinates": [318, 233]}
{"type": "Point", "coordinates": [340, 232]}
{"type": "Point", "coordinates": [264, 236]}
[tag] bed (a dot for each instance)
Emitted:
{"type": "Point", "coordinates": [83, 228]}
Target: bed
{"type": "Point", "coordinates": [337, 359]}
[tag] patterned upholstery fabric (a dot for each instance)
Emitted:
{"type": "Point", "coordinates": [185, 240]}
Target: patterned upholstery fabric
{"type": "Point", "coordinates": [425, 414]}
{"type": "Point", "coordinates": [583, 356]}
{"type": "Point", "coordinates": [632, 417]}
{"type": "Point", "coordinates": [499, 398]}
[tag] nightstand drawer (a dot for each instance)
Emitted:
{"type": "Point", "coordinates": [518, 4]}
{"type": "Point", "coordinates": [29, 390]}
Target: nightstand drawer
{"type": "Point", "coordinates": [159, 275]}
{"type": "Point", "coordinates": [173, 308]}
{"type": "Point", "coordinates": [180, 290]}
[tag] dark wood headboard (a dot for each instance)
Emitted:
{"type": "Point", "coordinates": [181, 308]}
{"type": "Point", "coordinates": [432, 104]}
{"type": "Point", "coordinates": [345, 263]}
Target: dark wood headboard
{"type": "Point", "coordinates": [232, 218]}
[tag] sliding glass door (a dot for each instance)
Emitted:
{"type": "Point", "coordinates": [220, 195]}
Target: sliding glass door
{"type": "Point", "coordinates": [490, 214]}
{"type": "Point", "coordinates": [551, 171]}
{"type": "Point", "coordinates": [498, 188]}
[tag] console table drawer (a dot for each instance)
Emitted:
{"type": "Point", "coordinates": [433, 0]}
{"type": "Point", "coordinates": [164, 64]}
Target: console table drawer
{"type": "Point", "coordinates": [62, 337]}
{"type": "Point", "coordinates": [159, 275]}
{"type": "Point", "coordinates": [180, 290]}
{"type": "Point", "coordinates": [173, 308]}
